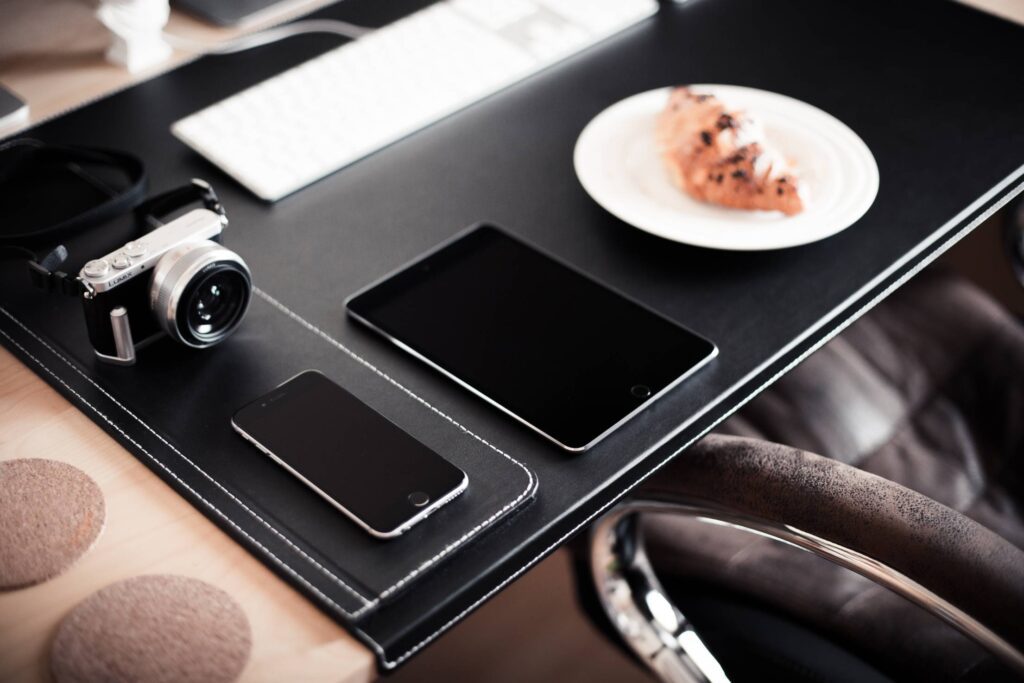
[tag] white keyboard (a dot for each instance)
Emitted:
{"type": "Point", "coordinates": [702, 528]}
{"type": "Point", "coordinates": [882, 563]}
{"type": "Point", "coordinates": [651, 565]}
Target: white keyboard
{"type": "Point", "coordinates": [304, 124]}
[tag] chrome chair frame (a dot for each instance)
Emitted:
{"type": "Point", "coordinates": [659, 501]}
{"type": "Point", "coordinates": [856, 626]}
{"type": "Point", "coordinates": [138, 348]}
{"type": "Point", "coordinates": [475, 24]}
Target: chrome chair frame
{"type": "Point", "coordinates": [1014, 237]}
{"type": "Point", "coordinates": [659, 634]}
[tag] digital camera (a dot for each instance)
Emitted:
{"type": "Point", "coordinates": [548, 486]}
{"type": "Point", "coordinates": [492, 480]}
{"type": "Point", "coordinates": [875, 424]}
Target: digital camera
{"type": "Point", "coordinates": [177, 280]}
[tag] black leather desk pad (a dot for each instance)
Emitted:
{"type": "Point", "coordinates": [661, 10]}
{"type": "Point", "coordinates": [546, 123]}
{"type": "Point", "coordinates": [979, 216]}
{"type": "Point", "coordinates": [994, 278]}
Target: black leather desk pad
{"type": "Point", "coordinates": [930, 86]}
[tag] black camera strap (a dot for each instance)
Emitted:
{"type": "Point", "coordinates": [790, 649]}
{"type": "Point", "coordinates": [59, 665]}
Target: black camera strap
{"type": "Point", "coordinates": [45, 273]}
{"type": "Point", "coordinates": [154, 209]}
{"type": "Point", "coordinates": [17, 155]}
{"type": "Point", "coordinates": [27, 156]}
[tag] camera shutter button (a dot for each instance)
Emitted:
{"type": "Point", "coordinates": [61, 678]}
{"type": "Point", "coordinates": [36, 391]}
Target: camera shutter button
{"type": "Point", "coordinates": [121, 261]}
{"type": "Point", "coordinates": [135, 249]}
{"type": "Point", "coordinates": [97, 268]}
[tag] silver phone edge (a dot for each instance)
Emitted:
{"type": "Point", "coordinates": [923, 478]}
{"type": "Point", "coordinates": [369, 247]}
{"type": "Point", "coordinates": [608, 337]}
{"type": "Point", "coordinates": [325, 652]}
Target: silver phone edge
{"type": "Point", "coordinates": [394, 533]}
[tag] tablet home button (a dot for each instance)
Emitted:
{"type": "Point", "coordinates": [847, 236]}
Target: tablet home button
{"type": "Point", "coordinates": [418, 498]}
{"type": "Point", "coordinates": [640, 391]}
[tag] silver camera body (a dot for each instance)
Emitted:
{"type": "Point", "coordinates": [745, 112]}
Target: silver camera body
{"type": "Point", "coordinates": [177, 280]}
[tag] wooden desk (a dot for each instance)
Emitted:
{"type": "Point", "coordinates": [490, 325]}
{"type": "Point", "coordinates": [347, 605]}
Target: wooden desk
{"type": "Point", "coordinates": [150, 530]}
{"type": "Point", "coordinates": [51, 54]}
{"type": "Point", "coordinates": [56, 63]}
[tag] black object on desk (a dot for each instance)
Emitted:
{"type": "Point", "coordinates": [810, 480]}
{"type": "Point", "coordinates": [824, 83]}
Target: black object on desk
{"type": "Point", "coordinates": [352, 456]}
{"type": "Point", "coordinates": [554, 349]}
{"type": "Point", "coordinates": [927, 85]}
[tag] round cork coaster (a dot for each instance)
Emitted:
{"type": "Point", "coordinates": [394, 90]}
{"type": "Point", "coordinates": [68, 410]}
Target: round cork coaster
{"type": "Point", "coordinates": [50, 515]}
{"type": "Point", "coordinates": [157, 629]}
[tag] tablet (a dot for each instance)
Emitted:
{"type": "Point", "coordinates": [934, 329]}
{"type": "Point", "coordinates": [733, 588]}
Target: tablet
{"type": "Point", "coordinates": [553, 348]}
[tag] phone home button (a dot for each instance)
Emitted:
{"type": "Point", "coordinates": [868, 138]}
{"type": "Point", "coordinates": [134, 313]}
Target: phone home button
{"type": "Point", "coordinates": [418, 498]}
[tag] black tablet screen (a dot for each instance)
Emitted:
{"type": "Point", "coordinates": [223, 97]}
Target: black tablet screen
{"type": "Point", "coordinates": [562, 353]}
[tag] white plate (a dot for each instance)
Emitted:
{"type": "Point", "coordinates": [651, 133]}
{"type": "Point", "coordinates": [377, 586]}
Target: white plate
{"type": "Point", "coordinates": [617, 162]}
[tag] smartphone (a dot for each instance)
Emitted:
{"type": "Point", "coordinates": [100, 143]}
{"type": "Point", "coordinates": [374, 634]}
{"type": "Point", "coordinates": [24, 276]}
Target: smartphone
{"type": "Point", "coordinates": [352, 456]}
{"type": "Point", "coordinates": [560, 352]}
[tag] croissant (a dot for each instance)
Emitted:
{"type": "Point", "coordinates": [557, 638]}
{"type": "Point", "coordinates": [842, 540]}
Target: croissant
{"type": "Point", "coordinates": [721, 157]}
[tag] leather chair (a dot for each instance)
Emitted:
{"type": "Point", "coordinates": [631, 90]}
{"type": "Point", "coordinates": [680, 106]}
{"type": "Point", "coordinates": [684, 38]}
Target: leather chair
{"type": "Point", "coordinates": [903, 468]}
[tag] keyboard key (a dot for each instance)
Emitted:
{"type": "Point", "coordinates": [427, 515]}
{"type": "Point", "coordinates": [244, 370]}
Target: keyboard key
{"type": "Point", "coordinates": [305, 123]}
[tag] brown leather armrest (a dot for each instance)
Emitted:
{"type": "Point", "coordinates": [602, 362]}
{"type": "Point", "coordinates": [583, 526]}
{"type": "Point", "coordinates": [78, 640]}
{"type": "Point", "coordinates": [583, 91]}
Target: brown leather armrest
{"type": "Point", "coordinates": [940, 549]}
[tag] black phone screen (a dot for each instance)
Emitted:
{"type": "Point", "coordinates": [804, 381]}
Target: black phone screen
{"type": "Point", "coordinates": [557, 350]}
{"type": "Point", "coordinates": [352, 455]}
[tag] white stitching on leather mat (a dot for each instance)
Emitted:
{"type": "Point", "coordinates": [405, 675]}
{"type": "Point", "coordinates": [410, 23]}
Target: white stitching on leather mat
{"type": "Point", "coordinates": [210, 505]}
{"type": "Point", "coordinates": [179, 453]}
{"type": "Point", "coordinates": [367, 604]}
{"type": "Point", "coordinates": [530, 479]}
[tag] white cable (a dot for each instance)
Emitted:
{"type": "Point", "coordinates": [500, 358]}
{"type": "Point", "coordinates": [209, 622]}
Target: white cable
{"type": "Point", "coordinates": [333, 26]}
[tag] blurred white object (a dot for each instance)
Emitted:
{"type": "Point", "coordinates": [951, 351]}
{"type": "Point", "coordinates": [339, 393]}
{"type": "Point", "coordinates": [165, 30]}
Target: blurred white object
{"type": "Point", "coordinates": [137, 32]}
{"type": "Point", "coordinates": [13, 112]}
{"type": "Point", "coordinates": [310, 121]}
{"type": "Point", "coordinates": [618, 163]}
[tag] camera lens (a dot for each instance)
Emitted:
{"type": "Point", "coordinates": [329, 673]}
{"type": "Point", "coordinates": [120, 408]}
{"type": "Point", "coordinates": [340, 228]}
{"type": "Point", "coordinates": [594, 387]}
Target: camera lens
{"type": "Point", "coordinates": [212, 304]}
{"type": "Point", "coordinates": [200, 294]}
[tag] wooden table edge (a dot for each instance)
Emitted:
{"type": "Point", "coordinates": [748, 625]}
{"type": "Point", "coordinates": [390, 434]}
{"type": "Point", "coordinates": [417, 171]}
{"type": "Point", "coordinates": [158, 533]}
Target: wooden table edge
{"type": "Point", "coordinates": [150, 529]}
